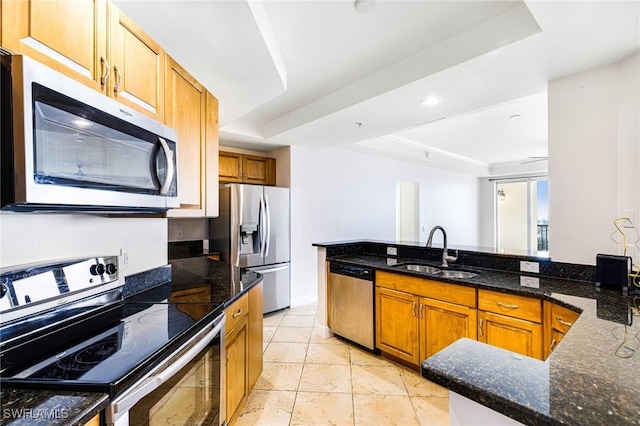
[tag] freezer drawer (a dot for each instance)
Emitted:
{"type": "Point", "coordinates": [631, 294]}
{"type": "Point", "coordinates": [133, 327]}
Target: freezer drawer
{"type": "Point", "coordinates": [277, 291]}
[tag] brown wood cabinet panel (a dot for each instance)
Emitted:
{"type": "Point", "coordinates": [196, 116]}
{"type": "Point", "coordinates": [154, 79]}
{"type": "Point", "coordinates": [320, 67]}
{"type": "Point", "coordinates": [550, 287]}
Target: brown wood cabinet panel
{"type": "Point", "coordinates": [512, 305]}
{"type": "Point", "coordinates": [458, 294]}
{"type": "Point", "coordinates": [138, 66]}
{"type": "Point", "coordinates": [237, 378]}
{"type": "Point", "coordinates": [186, 112]}
{"type": "Point", "coordinates": [236, 311]}
{"type": "Point", "coordinates": [442, 323]}
{"type": "Point", "coordinates": [95, 421]}
{"type": "Point", "coordinates": [68, 36]}
{"type": "Point", "coordinates": [517, 335]}
{"type": "Point", "coordinates": [557, 322]}
{"type": "Point", "coordinates": [244, 168]}
{"type": "Point", "coordinates": [397, 324]}
{"type": "Point", "coordinates": [230, 167]}
{"type": "Point", "coordinates": [211, 156]}
{"type": "Point", "coordinates": [256, 297]}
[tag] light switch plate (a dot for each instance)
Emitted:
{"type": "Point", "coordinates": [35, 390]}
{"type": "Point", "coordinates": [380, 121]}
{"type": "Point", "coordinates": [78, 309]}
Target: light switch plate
{"type": "Point", "coordinates": [530, 267]}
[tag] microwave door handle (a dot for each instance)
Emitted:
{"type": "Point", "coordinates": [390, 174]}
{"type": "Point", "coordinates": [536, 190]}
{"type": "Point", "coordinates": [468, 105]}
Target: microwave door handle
{"type": "Point", "coordinates": [268, 221]}
{"type": "Point", "coordinates": [170, 169]}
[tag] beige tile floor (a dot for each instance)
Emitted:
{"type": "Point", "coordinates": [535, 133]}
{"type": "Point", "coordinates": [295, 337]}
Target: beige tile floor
{"type": "Point", "coordinates": [309, 380]}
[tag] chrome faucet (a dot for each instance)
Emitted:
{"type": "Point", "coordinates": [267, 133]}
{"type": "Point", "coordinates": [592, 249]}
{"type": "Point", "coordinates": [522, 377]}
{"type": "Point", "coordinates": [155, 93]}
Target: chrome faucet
{"type": "Point", "coordinates": [445, 254]}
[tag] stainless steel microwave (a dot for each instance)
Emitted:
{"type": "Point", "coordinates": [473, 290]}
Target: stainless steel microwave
{"type": "Point", "coordinates": [67, 147]}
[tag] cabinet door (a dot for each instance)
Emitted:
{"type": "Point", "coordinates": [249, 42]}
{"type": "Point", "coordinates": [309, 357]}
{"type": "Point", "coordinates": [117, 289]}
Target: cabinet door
{"type": "Point", "coordinates": [557, 322]}
{"type": "Point", "coordinates": [397, 324]}
{"type": "Point", "coordinates": [255, 334]}
{"type": "Point", "coordinates": [513, 334]}
{"type": "Point", "coordinates": [237, 345]}
{"type": "Point", "coordinates": [186, 112]}
{"type": "Point", "coordinates": [442, 323]}
{"type": "Point", "coordinates": [67, 35]}
{"type": "Point", "coordinates": [211, 157]}
{"type": "Point", "coordinates": [256, 169]}
{"type": "Point", "coordinates": [230, 167]}
{"type": "Point", "coordinates": [137, 64]}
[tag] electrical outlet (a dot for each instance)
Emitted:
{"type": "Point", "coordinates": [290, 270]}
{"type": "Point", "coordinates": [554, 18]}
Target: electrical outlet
{"type": "Point", "coordinates": [530, 267]}
{"type": "Point", "coordinates": [532, 282]}
{"type": "Point", "coordinates": [393, 251]}
{"type": "Point", "coordinates": [126, 258]}
{"type": "Point", "coordinates": [391, 261]}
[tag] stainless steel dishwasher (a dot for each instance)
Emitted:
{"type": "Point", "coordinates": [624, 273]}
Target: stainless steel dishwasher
{"type": "Point", "coordinates": [351, 303]}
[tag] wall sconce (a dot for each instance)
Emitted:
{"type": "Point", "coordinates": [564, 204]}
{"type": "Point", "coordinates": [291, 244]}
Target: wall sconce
{"type": "Point", "coordinates": [501, 195]}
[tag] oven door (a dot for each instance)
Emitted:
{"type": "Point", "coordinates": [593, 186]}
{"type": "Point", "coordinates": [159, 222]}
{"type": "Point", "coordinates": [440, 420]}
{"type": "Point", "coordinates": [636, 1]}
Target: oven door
{"type": "Point", "coordinates": [185, 389]}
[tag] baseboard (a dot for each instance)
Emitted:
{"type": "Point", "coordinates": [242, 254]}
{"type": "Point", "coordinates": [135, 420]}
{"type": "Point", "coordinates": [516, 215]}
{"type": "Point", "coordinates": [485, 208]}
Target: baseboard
{"type": "Point", "coordinates": [306, 300]}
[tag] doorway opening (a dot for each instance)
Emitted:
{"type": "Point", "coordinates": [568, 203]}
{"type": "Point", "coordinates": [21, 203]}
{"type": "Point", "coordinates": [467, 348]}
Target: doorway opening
{"type": "Point", "coordinates": [522, 215]}
{"type": "Point", "coordinates": [407, 211]}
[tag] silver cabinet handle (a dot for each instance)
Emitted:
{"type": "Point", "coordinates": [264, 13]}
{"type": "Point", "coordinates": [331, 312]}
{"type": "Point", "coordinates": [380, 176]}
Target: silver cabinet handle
{"type": "Point", "coordinates": [480, 328]}
{"type": "Point", "coordinates": [504, 305]}
{"type": "Point", "coordinates": [170, 169]}
{"type": "Point", "coordinates": [553, 343]}
{"type": "Point", "coordinates": [413, 309]}
{"type": "Point", "coordinates": [116, 88]}
{"type": "Point", "coordinates": [567, 323]}
{"type": "Point", "coordinates": [105, 71]}
{"type": "Point", "coordinates": [420, 310]}
{"type": "Point", "coordinates": [237, 314]}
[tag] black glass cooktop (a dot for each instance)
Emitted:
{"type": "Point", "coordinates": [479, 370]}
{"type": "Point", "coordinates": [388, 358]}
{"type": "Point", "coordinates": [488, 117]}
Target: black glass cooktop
{"type": "Point", "coordinates": [115, 355]}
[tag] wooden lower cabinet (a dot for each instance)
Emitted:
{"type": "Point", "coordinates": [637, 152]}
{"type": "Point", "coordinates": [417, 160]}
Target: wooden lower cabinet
{"type": "Point", "coordinates": [412, 327]}
{"type": "Point", "coordinates": [237, 375]}
{"type": "Point", "coordinates": [557, 322]}
{"type": "Point", "coordinates": [95, 421]}
{"type": "Point", "coordinates": [397, 324]}
{"type": "Point", "coordinates": [243, 350]}
{"type": "Point", "coordinates": [517, 335]}
{"type": "Point", "coordinates": [442, 323]}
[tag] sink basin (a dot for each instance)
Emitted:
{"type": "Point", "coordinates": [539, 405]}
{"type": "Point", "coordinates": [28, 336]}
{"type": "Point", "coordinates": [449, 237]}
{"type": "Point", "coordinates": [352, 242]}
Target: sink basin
{"type": "Point", "coordinates": [457, 274]}
{"type": "Point", "coordinates": [421, 268]}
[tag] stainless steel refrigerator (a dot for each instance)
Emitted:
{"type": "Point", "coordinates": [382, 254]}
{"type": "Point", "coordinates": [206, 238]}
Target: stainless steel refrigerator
{"type": "Point", "coordinates": [252, 232]}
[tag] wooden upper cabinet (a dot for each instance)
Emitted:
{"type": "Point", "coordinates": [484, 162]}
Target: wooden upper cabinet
{"type": "Point", "coordinates": [230, 167]}
{"type": "Point", "coordinates": [243, 168]}
{"type": "Point", "coordinates": [137, 65]}
{"type": "Point", "coordinates": [185, 104]}
{"type": "Point", "coordinates": [69, 36]}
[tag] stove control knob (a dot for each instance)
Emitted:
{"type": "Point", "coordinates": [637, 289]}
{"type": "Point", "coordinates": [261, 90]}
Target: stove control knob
{"type": "Point", "coordinates": [97, 269]}
{"type": "Point", "coordinates": [111, 268]}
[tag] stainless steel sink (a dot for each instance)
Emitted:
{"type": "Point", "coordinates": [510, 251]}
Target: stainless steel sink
{"type": "Point", "coordinates": [457, 274]}
{"type": "Point", "coordinates": [421, 268]}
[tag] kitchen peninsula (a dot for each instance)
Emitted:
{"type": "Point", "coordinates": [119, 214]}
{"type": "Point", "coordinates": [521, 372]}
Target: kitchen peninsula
{"type": "Point", "coordinates": [590, 377]}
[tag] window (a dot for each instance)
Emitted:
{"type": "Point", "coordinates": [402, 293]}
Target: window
{"type": "Point", "coordinates": [522, 215]}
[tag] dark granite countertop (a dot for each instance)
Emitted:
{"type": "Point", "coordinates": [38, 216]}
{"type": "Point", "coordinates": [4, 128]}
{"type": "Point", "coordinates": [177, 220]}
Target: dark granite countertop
{"type": "Point", "coordinates": [190, 280]}
{"type": "Point", "coordinates": [592, 377]}
{"type": "Point", "coordinates": [39, 407]}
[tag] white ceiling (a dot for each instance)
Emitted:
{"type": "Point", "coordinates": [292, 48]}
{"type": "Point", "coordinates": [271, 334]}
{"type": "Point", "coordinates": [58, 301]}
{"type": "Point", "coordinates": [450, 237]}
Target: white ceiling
{"type": "Point", "coordinates": [307, 72]}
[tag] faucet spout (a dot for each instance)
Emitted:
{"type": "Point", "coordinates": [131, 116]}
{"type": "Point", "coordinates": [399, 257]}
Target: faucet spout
{"type": "Point", "coordinates": [446, 257]}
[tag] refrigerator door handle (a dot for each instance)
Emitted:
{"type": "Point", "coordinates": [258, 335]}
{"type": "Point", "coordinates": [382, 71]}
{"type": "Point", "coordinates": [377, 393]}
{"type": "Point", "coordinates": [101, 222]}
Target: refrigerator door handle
{"type": "Point", "coordinates": [268, 217]}
{"type": "Point", "coordinates": [263, 226]}
{"type": "Point", "coordinates": [268, 270]}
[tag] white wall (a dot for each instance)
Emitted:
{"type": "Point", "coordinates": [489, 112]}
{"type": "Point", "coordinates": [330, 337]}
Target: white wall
{"type": "Point", "coordinates": [27, 238]}
{"type": "Point", "coordinates": [339, 194]}
{"type": "Point", "coordinates": [594, 153]}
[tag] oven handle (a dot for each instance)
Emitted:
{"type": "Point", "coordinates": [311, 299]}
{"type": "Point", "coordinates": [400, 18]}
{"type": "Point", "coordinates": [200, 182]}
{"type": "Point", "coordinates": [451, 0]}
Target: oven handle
{"type": "Point", "coordinates": [148, 384]}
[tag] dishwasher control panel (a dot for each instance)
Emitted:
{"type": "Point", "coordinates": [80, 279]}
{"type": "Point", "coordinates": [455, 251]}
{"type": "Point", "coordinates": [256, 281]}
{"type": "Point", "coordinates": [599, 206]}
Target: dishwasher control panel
{"type": "Point", "coordinates": [351, 271]}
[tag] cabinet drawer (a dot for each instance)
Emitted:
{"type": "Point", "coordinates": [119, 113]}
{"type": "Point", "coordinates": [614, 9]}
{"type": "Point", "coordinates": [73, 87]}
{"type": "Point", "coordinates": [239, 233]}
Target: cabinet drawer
{"type": "Point", "coordinates": [562, 318]}
{"type": "Point", "coordinates": [512, 305]}
{"type": "Point", "coordinates": [447, 292]}
{"type": "Point", "coordinates": [236, 312]}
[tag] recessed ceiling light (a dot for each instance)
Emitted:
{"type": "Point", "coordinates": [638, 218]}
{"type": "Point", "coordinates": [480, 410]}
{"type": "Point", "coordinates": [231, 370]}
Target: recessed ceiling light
{"type": "Point", "coordinates": [515, 116]}
{"type": "Point", "coordinates": [365, 6]}
{"type": "Point", "coordinates": [431, 101]}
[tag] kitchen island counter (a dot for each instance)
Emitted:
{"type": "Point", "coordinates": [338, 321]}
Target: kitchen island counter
{"type": "Point", "coordinates": [591, 377]}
